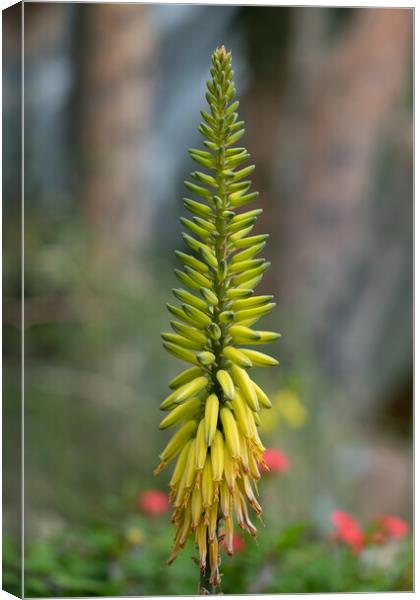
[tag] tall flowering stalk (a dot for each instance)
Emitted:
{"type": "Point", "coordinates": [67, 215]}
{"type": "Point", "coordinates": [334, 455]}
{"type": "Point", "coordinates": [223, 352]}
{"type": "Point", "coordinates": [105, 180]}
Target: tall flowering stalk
{"type": "Point", "coordinates": [215, 402]}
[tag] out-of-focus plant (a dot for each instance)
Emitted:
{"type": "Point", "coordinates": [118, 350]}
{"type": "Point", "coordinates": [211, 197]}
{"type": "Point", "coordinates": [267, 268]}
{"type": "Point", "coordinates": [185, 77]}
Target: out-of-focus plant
{"type": "Point", "coordinates": [121, 554]}
{"type": "Point", "coordinates": [287, 410]}
{"type": "Point", "coordinates": [383, 529]}
{"type": "Point", "coordinates": [347, 530]}
{"type": "Point", "coordinates": [216, 401]}
{"type": "Point", "coordinates": [153, 502]}
{"type": "Point", "coordinates": [276, 460]}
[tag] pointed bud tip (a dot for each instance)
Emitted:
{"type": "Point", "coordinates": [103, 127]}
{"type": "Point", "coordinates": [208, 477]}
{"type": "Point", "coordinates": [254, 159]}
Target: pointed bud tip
{"type": "Point", "coordinates": [221, 52]}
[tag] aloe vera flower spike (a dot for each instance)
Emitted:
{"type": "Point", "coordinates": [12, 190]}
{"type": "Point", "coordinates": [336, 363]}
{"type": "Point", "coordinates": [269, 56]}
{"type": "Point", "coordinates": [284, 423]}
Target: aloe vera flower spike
{"type": "Point", "coordinates": [214, 402]}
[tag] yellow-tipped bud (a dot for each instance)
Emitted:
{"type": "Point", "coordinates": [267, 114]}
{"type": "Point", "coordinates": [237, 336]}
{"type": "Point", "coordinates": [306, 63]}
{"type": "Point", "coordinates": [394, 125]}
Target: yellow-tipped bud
{"type": "Point", "coordinates": [190, 389]}
{"type": "Point", "coordinates": [214, 512]}
{"type": "Point", "coordinates": [249, 525]}
{"type": "Point", "coordinates": [191, 333]}
{"type": "Point", "coordinates": [190, 466]}
{"type": "Point", "coordinates": [230, 429]}
{"type": "Point", "coordinates": [229, 535]}
{"type": "Point", "coordinates": [207, 486]}
{"type": "Point", "coordinates": [250, 495]}
{"type": "Point", "coordinates": [253, 466]}
{"type": "Point", "coordinates": [242, 413]}
{"type": "Point", "coordinates": [185, 391]}
{"type": "Point", "coordinates": [238, 504]}
{"type": "Point", "coordinates": [196, 507]}
{"type": "Point", "coordinates": [200, 446]}
{"type": "Point", "coordinates": [225, 499]}
{"type": "Point", "coordinates": [181, 353]}
{"type": "Point", "coordinates": [206, 358]}
{"type": "Point", "coordinates": [256, 312]}
{"type": "Point", "coordinates": [263, 399]}
{"type": "Point", "coordinates": [180, 340]}
{"type": "Point", "coordinates": [229, 470]}
{"type": "Point", "coordinates": [237, 357]}
{"type": "Point", "coordinates": [201, 318]}
{"type": "Point", "coordinates": [214, 562]}
{"type": "Point", "coordinates": [246, 385]}
{"type": "Point", "coordinates": [243, 333]}
{"type": "Point", "coordinates": [211, 415]}
{"type": "Point", "coordinates": [185, 377]}
{"type": "Point", "coordinates": [180, 465]}
{"type": "Point", "coordinates": [255, 438]}
{"type": "Point", "coordinates": [201, 537]}
{"type": "Point", "coordinates": [226, 383]}
{"type": "Point", "coordinates": [266, 337]}
{"type": "Point", "coordinates": [178, 440]}
{"type": "Point", "coordinates": [181, 491]}
{"type": "Point", "coordinates": [244, 453]}
{"type": "Point", "coordinates": [217, 456]}
{"type": "Point", "coordinates": [185, 527]}
{"type": "Point", "coordinates": [184, 411]}
{"type": "Point", "coordinates": [259, 359]}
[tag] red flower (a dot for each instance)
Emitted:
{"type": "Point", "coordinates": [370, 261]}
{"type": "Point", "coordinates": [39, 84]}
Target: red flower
{"type": "Point", "coordinates": [348, 530]}
{"type": "Point", "coordinates": [153, 502]}
{"type": "Point", "coordinates": [276, 461]}
{"type": "Point", "coordinates": [392, 527]}
{"type": "Point", "coordinates": [238, 543]}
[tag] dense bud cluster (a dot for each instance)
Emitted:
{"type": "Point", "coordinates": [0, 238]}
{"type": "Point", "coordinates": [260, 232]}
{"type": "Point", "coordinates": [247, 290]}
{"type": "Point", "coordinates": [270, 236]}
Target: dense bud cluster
{"type": "Point", "coordinates": [215, 401]}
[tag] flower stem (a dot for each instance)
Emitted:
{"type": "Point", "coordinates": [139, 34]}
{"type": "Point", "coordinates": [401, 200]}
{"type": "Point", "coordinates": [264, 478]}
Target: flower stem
{"type": "Point", "coordinates": [206, 587]}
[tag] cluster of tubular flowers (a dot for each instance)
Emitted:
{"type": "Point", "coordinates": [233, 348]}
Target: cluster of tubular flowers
{"type": "Point", "coordinates": [216, 403]}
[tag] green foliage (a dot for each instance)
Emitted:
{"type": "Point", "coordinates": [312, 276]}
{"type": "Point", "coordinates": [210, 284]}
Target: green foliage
{"type": "Point", "coordinates": [124, 555]}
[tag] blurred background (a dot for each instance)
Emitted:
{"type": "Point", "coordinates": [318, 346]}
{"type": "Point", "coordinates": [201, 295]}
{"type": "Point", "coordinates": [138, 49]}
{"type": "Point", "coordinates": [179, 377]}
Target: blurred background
{"type": "Point", "coordinates": [112, 100]}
